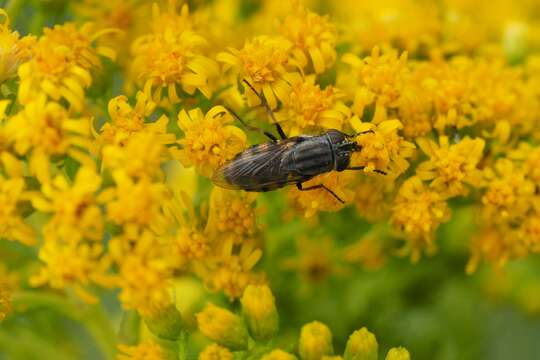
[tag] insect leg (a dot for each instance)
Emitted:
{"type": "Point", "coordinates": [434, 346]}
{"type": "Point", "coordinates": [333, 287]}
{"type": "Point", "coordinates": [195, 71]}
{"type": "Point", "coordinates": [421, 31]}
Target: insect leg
{"type": "Point", "coordinates": [250, 127]}
{"type": "Point", "coordinates": [363, 167]}
{"type": "Point", "coordinates": [361, 133]}
{"type": "Point", "coordinates": [320, 186]}
{"type": "Point", "coordinates": [268, 110]}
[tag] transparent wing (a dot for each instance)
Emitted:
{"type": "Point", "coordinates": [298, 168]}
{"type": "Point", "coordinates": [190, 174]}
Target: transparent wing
{"type": "Point", "coordinates": [258, 168]}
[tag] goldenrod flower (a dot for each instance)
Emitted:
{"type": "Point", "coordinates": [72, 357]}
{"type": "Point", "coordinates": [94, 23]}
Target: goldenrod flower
{"type": "Point", "coordinates": [398, 353]}
{"type": "Point", "coordinates": [264, 63]}
{"type": "Point", "coordinates": [223, 326]}
{"type": "Point", "coordinates": [508, 193]}
{"type": "Point", "coordinates": [60, 64]}
{"type": "Point", "coordinates": [215, 352]}
{"type": "Point", "coordinates": [144, 272]}
{"type": "Point", "coordinates": [362, 345]}
{"type": "Point", "coordinates": [134, 203]}
{"type": "Point", "coordinates": [43, 129]}
{"type": "Point", "coordinates": [260, 313]}
{"type": "Point", "coordinates": [372, 197]}
{"type": "Point", "coordinates": [143, 351]}
{"type": "Point", "coordinates": [380, 80]}
{"type": "Point", "coordinates": [127, 121]}
{"type": "Point", "coordinates": [231, 215]}
{"type": "Point", "coordinates": [313, 36]}
{"type": "Point", "coordinates": [170, 58]}
{"type": "Point", "coordinates": [417, 212]}
{"type": "Point", "coordinates": [278, 355]}
{"type": "Point", "coordinates": [450, 167]}
{"type": "Point", "coordinates": [311, 202]}
{"type": "Point", "coordinates": [209, 140]}
{"type": "Point", "coordinates": [12, 224]}
{"type": "Point", "coordinates": [315, 341]}
{"type": "Point", "coordinates": [230, 270]}
{"type": "Point", "coordinates": [496, 246]}
{"type": "Point", "coordinates": [369, 252]}
{"type": "Point", "coordinates": [14, 50]}
{"type": "Point", "coordinates": [310, 109]}
{"type": "Point", "coordinates": [384, 149]}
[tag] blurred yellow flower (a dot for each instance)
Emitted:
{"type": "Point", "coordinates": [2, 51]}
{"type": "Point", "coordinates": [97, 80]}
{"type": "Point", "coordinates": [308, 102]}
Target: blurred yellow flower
{"type": "Point", "coordinates": [12, 225]}
{"type": "Point", "coordinates": [14, 50]}
{"type": "Point", "coordinates": [278, 355]}
{"type": "Point", "coordinates": [315, 341]}
{"type": "Point", "coordinates": [209, 139]}
{"type": "Point", "coordinates": [223, 326]}
{"type": "Point", "coordinates": [143, 351]}
{"type": "Point", "coordinates": [362, 345]}
{"type": "Point", "coordinates": [398, 353]}
{"type": "Point", "coordinates": [215, 352]}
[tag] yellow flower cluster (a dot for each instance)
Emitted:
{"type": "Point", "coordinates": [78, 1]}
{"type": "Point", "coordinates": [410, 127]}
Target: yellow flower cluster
{"type": "Point", "coordinates": [260, 322]}
{"type": "Point", "coordinates": [442, 120]}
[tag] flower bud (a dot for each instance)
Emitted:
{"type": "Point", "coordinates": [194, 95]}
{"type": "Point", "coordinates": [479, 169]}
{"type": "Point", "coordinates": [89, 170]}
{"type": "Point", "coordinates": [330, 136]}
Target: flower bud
{"type": "Point", "coordinates": [165, 323]}
{"type": "Point", "coordinates": [278, 355]}
{"type": "Point", "coordinates": [223, 327]}
{"type": "Point", "coordinates": [315, 341]}
{"type": "Point", "coordinates": [215, 352]}
{"type": "Point", "coordinates": [259, 309]}
{"type": "Point", "coordinates": [398, 353]}
{"type": "Point", "coordinates": [362, 345]}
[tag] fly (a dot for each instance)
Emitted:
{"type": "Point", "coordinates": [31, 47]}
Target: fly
{"type": "Point", "coordinates": [294, 160]}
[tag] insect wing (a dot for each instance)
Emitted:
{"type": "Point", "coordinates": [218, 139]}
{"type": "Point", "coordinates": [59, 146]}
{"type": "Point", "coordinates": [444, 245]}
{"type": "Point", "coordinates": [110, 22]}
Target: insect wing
{"type": "Point", "coordinates": [258, 168]}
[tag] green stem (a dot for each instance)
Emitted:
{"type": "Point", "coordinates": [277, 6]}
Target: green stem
{"type": "Point", "coordinates": [182, 343]}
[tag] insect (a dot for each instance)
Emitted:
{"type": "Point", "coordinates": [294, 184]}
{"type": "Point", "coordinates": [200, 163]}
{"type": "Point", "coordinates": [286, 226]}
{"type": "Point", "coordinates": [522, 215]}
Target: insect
{"type": "Point", "coordinates": [295, 160]}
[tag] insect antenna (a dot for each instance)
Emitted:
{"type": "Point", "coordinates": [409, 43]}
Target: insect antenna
{"type": "Point", "coordinates": [268, 110]}
{"type": "Point", "coordinates": [250, 127]}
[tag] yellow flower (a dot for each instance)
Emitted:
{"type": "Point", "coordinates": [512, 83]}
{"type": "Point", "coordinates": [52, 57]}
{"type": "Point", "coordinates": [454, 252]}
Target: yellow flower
{"type": "Point", "coordinates": [369, 252]}
{"type": "Point", "coordinates": [496, 246]}
{"type": "Point", "coordinates": [417, 212]}
{"type": "Point", "coordinates": [372, 197]}
{"type": "Point", "coordinates": [278, 355]}
{"type": "Point", "coordinates": [231, 215]}
{"type": "Point", "coordinates": [143, 351]}
{"type": "Point", "coordinates": [264, 63]}
{"type": "Point", "coordinates": [44, 129]}
{"type": "Point", "coordinates": [310, 109]}
{"type": "Point", "coordinates": [76, 212]}
{"type": "Point", "coordinates": [127, 121]}
{"type": "Point", "coordinates": [14, 50]}
{"type": "Point", "coordinates": [451, 166]}
{"type": "Point", "coordinates": [311, 202]}
{"type": "Point", "coordinates": [384, 149]}
{"type": "Point", "coordinates": [508, 195]}
{"type": "Point", "coordinates": [259, 310]}
{"type": "Point", "coordinates": [315, 341]}
{"type": "Point", "coordinates": [313, 37]}
{"type": "Point", "coordinates": [134, 203]}
{"type": "Point", "coordinates": [215, 352]}
{"type": "Point", "coordinates": [209, 140]}
{"type": "Point", "coordinates": [140, 155]}
{"type": "Point", "coordinates": [169, 58]}
{"type": "Point", "coordinates": [362, 345]}
{"type": "Point", "coordinates": [12, 225]}
{"type": "Point", "coordinates": [144, 272]}
{"type": "Point", "coordinates": [380, 80]}
{"type": "Point", "coordinates": [60, 64]}
{"type": "Point", "coordinates": [398, 353]}
{"type": "Point", "coordinates": [230, 270]}
{"type": "Point", "coordinates": [5, 303]}
{"type": "Point", "coordinates": [223, 326]}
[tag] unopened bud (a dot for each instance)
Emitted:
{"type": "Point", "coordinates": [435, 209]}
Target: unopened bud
{"type": "Point", "coordinates": [398, 353]}
{"type": "Point", "coordinates": [215, 352]}
{"type": "Point", "coordinates": [259, 309]}
{"type": "Point", "coordinates": [165, 323]}
{"type": "Point", "coordinates": [362, 345]}
{"type": "Point", "coordinates": [223, 327]}
{"type": "Point", "coordinates": [278, 355]}
{"type": "Point", "coordinates": [315, 341]}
